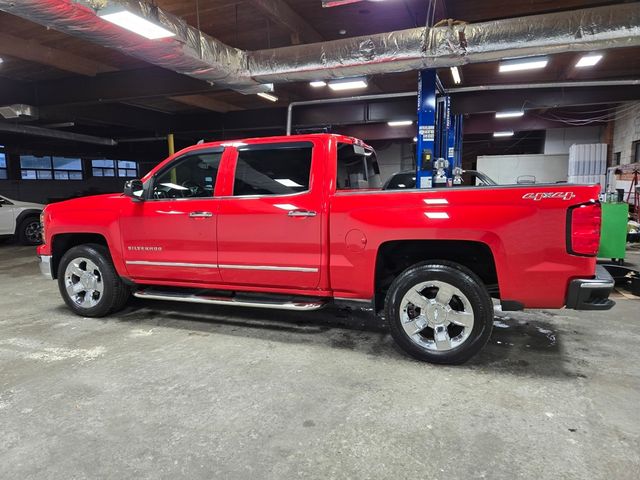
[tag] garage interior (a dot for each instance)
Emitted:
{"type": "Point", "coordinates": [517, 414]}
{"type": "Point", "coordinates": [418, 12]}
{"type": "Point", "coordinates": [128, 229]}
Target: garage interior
{"type": "Point", "coordinates": [169, 390]}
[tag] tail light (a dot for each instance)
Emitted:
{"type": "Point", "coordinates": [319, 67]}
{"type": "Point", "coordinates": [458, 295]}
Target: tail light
{"type": "Point", "coordinates": [583, 229]}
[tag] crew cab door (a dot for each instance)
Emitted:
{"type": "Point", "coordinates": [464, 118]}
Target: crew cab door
{"type": "Point", "coordinates": [269, 223]}
{"type": "Point", "coordinates": [171, 236]}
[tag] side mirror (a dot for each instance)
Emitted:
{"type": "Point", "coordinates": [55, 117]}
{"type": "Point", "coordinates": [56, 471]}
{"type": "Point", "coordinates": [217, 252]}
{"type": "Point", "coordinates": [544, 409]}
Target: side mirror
{"type": "Point", "coordinates": [134, 190]}
{"type": "Point", "coordinates": [358, 150]}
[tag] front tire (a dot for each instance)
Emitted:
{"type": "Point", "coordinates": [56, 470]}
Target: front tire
{"type": "Point", "coordinates": [439, 312]}
{"type": "Point", "coordinates": [89, 283]}
{"type": "Point", "coordinates": [30, 231]}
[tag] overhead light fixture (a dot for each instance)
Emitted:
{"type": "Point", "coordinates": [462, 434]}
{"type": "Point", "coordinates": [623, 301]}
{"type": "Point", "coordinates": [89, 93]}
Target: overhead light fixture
{"type": "Point", "coordinates": [318, 84]}
{"type": "Point", "coordinates": [589, 60]}
{"type": "Point", "coordinates": [455, 73]}
{"type": "Point", "coordinates": [530, 63]}
{"type": "Point", "coordinates": [506, 133]}
{"type": "Point", "coordinates": [1, 60]}
{"type": "Point", "coordinates": [268, 96]}
{"type": "Point", "coordinates": [135, 23]}
{"type": "Point", "coordinates": [510, 114]}
{"type": "Point", "coordinates": [348, 84]}
{"type": "Point", "coordinates": [400, 123]}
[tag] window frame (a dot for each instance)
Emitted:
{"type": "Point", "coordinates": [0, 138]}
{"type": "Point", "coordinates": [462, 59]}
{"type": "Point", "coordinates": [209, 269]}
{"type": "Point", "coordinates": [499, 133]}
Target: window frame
{"type": "Point", "coordinates": [351, 190]}
{"type": "Point", "coordinates": [272, 146]}
{"type": "Point", "coordinates": [150, 183]}
{"type": "Point", "coordinates": [52, 169]}
{"type": "Point", "coordinates": [635, 152]}
{"type": "Point", "coordinates": [6, 165]}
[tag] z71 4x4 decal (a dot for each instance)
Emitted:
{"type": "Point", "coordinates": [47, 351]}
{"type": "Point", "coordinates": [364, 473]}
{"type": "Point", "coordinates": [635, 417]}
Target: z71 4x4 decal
{"type": "Point", "coordinates": [537, 196]}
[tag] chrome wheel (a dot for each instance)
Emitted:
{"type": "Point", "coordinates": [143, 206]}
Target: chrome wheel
{"type": "Point", "coordinates": [33, 232]}
{"type": "Point", "coordinates": [436, 315]}
{"type": "Point", "coordinates": [83, 282]}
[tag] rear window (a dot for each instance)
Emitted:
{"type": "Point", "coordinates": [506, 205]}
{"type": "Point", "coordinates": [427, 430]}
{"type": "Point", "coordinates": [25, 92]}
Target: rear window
{"type": "Point", "coordinates": [274, 169]}
{"type": "Point", "coordinates": [357, 168]}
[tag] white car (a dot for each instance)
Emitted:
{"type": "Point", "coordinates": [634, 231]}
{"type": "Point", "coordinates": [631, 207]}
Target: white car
{"type": "Point", "coordinates": [22, 220]}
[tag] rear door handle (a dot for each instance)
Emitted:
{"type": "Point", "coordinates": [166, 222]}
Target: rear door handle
{"type": "Point", "coordinates": [301, 213]}
{"type": "Point", "coordinates": [200, 214]}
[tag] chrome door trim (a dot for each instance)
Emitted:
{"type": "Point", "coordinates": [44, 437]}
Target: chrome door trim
{"type": "Point", "coordinates": [301, 213]}
{"type": "Point", "coordinates": [171, 264]}
{"type": "Point", "coordinates": [200, 214]}
{"type": "Point", "coordinates": [269, 268]}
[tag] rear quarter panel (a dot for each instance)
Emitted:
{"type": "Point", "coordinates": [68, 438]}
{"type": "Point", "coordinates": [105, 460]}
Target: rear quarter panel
{"type": "Point", "coordinates": [526, 236]}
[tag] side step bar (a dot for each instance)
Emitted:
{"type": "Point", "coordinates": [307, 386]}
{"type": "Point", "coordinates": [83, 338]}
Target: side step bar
{"type": "Point", "coordinates": [288, 304]}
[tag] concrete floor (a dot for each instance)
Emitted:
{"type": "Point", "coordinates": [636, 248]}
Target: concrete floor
{"type": "Point", "coordinates": [171, 391]}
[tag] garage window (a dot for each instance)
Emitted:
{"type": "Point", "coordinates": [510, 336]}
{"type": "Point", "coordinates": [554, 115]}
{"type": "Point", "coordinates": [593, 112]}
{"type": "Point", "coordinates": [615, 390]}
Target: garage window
{"type": "Point", "coordinates": [112, 168]}
{"type": "Point", "coordinates": [50, 168]}
{"type": "Point", "coordinates": [3, 166]}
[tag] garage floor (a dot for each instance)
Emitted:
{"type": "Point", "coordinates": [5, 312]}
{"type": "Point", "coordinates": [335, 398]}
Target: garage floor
{"type": "Point", "coordinates": [169, 390]}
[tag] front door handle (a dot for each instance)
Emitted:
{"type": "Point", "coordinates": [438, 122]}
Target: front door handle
{"type": "Point", "coordinates": [200, 214]}
{"type": "Point", "coordinates": [301, 213]}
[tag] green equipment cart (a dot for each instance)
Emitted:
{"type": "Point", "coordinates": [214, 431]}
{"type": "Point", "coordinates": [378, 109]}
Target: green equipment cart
{"type": "Point", "coordinates": [613, 237]}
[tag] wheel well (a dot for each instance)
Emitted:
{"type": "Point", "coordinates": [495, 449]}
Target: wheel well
{"type": "Point", "coordinates": [65, 241]}
{"type": "Point", "coordinates": [24, 215]}
{"type": "Point", "coordinates": [396, 256]}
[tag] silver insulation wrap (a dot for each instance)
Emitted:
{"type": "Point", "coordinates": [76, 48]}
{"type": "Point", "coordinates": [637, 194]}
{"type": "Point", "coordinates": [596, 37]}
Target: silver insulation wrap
{"type": "Point", "coordinates": [189, 52]}
{"type": "Point", "coordinates": [451, 45]}
{"type": "Point", "coordinates": [200, 56]}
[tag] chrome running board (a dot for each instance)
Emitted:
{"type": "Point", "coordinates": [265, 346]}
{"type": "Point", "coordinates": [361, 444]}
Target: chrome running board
{"type": "Point", "coordinates": [276, 304]}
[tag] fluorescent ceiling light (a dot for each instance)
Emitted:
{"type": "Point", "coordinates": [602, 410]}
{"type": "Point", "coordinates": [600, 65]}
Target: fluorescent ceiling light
{"type": "Point", "coordinates": [287, 182]}
{"type": "Point", "coordinates": [509, 114]}
{"type": "Point", "coordinates": [233, 144]}
{"type": "Point", "coordinates": [524, 64]}
{"type": "Point", "coordinates": [348, 84]}
{"type": "Point", "coordinates": [137, 24]}
{"type": "Point", "coordinates": [455, 73]}
{"type": "Point", "coordinates": [318, 84]}
{"type": "Point", "coordinates": [400, 123]}
{"type": "Point", "coordinates": [268, 96]}
{"type": "Point", "coordinates": [589, 60]}
{"type": "Point", "coordinates": [1, 60]}
{"type": "Point", "coordinates": [507, 133]}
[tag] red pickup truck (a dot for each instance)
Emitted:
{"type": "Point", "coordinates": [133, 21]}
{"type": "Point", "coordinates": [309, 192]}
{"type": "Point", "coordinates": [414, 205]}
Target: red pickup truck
{"type": "Point", "coordinates": [299, 222]}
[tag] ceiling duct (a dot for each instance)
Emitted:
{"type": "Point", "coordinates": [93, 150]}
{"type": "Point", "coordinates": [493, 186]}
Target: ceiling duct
{"type": "Point", "coordinates": [452, 45]}
{"type": "Point", "coordinates": [19, 111]}
{"type": "Point", "coordinates": [189, 51]}
{"type": "Point", "coordinates": [198, 55]}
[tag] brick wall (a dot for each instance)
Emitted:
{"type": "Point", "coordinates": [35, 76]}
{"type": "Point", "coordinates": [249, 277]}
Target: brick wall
{"type": "Point", "coordinates": [626, 130]}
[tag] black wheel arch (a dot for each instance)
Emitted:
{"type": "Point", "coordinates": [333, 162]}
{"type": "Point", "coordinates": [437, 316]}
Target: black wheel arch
{"type": "Point", "coordinates": [31, 212]}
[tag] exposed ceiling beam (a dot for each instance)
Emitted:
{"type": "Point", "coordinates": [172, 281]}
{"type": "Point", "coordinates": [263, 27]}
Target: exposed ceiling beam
{"type": "Point", "coordinates": [108, 87]}
{"type": "Point", "coordinates": [206, 102]}
{"type": "Point", "coordinates": [278, 11]}
{"type": "Point", "coordinates": [115, 115]}
{"type": "Point", "coordinates": [28, 49]}
{"type": "Point", "coordinates": [56, 134]}
{"type": "Point", "coordinates": [489, 101]}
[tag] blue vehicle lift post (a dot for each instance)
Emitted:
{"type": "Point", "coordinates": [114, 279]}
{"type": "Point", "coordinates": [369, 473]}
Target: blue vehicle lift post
{"type": "Point", "coordinates": [439, 133]}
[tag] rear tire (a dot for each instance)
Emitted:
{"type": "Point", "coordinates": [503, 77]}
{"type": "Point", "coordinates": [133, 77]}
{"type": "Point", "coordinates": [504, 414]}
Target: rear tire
{"type": "Point", "coordinates": [439, 312]}
{"type": "Point", "coordinates": [29, 232]}
{"type": "Point", "coordinates": [89, 283]}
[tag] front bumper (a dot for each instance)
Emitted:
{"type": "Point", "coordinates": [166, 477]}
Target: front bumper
{"type": "Point", "coordinates": [591, 293]}
{"type": "Point", "coordinates": [45, 266]}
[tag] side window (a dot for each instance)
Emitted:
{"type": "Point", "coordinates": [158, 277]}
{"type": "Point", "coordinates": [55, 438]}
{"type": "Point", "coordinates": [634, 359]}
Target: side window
{"type": "Point", "coordinates": [193, 176]}
{"type": "Point", "coordinates": [275, 169]}
{"type": "Point", "coordinates": [357, 170]}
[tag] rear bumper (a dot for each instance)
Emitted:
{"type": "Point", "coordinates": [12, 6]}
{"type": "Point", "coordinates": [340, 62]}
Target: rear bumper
{"type": "Point", "coordinates": [45, 266]}
{"type": "Point", "coordinates": [591, 293]}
